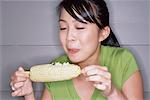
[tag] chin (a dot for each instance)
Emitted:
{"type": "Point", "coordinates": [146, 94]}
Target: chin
{"type": "Point", "coordinates": [74, 60]}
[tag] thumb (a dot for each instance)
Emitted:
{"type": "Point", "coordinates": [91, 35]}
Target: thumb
{"type": "Point", "coordinates": [20, 68]}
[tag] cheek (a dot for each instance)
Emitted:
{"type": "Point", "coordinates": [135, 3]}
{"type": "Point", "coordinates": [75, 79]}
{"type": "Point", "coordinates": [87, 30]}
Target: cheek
{"type": "Point", "coordinates": [90, 46]}
{"type": "Point", "coordinates": [62, 37]}
{"type": "Point", "coordinates": [90, 40]}
{"type": "Point", "coordinates": [90, 43]}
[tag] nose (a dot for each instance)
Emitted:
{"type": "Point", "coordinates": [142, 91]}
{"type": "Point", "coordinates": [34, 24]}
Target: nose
{"type": "Point", "coordinates": [71, 36]}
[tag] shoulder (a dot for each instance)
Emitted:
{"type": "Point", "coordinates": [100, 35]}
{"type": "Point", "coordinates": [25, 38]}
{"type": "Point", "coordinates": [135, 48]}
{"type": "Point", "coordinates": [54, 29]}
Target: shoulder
{"type": "Point", "coordinates": [117, 56]}
{"type": "Point", "coordinates": [120, 62]}
{"type": "Point", "coordinates": [116, 52]}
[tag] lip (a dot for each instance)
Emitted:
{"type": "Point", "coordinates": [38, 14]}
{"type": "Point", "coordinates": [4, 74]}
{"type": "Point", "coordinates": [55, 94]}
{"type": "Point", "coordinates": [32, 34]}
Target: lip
{"type": "Point", "coordinates": [73, 50]}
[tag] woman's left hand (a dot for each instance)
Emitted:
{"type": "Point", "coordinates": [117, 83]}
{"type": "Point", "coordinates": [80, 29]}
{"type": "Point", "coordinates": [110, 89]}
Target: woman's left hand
{"type": "Point", "coordinates": [100, 77]}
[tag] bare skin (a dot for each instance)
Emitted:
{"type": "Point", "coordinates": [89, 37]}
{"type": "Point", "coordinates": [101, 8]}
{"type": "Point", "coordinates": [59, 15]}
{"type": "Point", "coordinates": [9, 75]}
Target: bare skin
{"type": "Point", "coordinates": [74, 37]}
{"type": "Point", "coordinates": [94, 74]}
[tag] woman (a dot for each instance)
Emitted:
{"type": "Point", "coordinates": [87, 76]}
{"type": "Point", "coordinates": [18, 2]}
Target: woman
{"type": "Point", "coordinates": [108, 72]}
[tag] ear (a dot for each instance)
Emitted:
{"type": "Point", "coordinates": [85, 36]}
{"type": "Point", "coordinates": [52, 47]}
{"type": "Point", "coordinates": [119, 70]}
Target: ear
{"type": "Point", "coordinates": [104, 33]}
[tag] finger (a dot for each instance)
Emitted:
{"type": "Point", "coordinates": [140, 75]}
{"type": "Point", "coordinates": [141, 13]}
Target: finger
{"type": "Point", "coordinates": [84, 70]}
{"type": "Point", "coordinates": [104, 68]}
{"type": "Point", "coordinates": [18, 85]}
{"type": "Point", "coordinates": [19, 79]}
{"type": "Point", "coordinates": [98, 78]}
{"type": "Point", "coordinates": [21, 74]}
{"type": "Point", "coordinates": [11, 83]}
{"type": "Point", "coordinates": [107, 84]}
{"type": "Point", "coordinates": [16, 92]}
{"type": "Point", "coordinates": [13, 88]}
{"type": "Point", "coordinates": [12, 77]}
{"type": "Point", "coordinates": [20, 69]}
{"type": "Point", "coordinates": [93, 72]}
{"type": "Point", "coordinates": [97, 71]}
{"type": "Point", "coordinates": [100, 86]}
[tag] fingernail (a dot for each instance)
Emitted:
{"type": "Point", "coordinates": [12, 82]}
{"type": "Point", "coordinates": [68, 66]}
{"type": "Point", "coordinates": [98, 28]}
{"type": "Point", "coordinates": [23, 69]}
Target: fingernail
{"type": "Point", "coordinates": [20, 68]}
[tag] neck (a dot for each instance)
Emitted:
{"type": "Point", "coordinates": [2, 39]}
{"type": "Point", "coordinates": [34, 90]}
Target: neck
{"type": "Point", "coordinates": [92, 60]}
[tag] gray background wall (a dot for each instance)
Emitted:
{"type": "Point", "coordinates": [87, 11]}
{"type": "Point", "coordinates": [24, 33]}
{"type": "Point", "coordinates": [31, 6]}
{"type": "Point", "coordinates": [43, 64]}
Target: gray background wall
{"type": "Point", "coordinates": [29, 36]}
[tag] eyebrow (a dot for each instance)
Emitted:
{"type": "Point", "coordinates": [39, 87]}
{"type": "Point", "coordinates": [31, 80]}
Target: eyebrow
{"type": "Point", "coordinates": [72, 21]}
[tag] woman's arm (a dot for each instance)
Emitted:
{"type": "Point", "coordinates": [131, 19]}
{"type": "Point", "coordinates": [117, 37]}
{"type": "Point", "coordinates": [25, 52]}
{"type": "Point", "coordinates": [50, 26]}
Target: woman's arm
{"type": "Point", "coordinates": [46, 95]}
{"type": "Point", "coordinates": [30, 97]}
{"type": "Point", "coordinates": [132, 89]}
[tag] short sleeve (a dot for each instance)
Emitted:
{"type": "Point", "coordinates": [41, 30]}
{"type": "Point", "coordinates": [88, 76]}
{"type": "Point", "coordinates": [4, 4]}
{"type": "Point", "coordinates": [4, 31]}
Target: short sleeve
{"type": "Point", "coordinates": [130, 65]}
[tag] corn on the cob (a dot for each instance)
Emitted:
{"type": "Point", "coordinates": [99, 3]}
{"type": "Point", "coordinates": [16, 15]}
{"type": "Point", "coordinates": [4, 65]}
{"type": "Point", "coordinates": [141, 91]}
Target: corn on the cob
{"type": "Point", "coordinates": [54, 72]}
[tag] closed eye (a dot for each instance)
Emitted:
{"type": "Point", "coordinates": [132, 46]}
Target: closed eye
{"type": "Point", "coordinates": [80, 28]}
{"type": "Point", "coordinates": [63, 28]}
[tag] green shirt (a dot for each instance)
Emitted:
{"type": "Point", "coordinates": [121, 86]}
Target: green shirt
{"type": "Point", "coordinates": [120, 63]}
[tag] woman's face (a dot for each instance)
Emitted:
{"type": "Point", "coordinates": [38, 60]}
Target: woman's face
{"type": "Point", "coordinates": [79, 40]}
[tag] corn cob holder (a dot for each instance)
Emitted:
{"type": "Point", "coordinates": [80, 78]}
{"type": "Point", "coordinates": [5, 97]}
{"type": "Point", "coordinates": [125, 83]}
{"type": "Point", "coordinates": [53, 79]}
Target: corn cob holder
{"type": "Point", "coordinates": [53, 72]}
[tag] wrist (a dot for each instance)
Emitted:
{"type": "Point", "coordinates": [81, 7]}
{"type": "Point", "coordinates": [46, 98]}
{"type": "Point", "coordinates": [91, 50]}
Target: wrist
{"type": "Point", "coordinates": [116, 95]}
{"type": "Point", "coordinates": [29, 96]}
{"type": "Point", "coordinates": [109, 92]}
{"type": "Point", "coordinates": [113, 93]}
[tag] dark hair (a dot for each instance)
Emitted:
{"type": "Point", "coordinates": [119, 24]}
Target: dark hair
{"type": "Point", "coordinates": [93, 11]}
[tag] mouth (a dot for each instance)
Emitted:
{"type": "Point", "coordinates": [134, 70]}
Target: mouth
{"type": "Point", "coordinates": [73, 50]}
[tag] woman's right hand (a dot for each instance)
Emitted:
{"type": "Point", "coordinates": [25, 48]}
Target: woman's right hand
{"type": "Point", "coordinates": [21, 84]}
